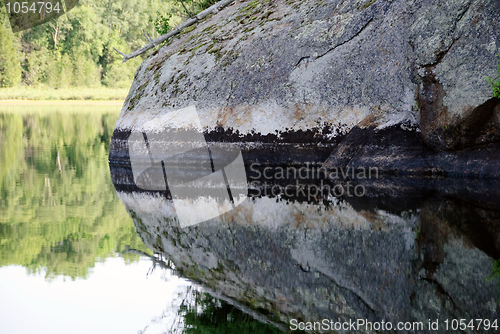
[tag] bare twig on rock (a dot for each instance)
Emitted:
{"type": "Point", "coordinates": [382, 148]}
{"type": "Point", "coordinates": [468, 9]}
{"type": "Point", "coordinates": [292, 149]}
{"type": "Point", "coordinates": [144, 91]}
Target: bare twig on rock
{"type": "Point", "coordinates": [147, 36]}
{"type": "Point", "coordinates": [153, 43]}
{"type": "Point", "coordinates": [124, 55]}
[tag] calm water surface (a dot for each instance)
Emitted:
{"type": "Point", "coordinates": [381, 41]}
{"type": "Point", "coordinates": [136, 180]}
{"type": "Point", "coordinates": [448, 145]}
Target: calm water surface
{"type": "Point", "coordinates": [71, 260]}
{"type": "Point", "coordinates": [84, 250]}
{"type": "Point", "coordinates": [309, 245]}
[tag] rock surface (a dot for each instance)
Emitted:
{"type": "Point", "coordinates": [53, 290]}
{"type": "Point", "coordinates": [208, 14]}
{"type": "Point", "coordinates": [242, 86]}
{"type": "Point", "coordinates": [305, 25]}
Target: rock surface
{"type": "Point", "coordinates": [268, 71]}
{"type": "Point", "coordinates": [398, 85]}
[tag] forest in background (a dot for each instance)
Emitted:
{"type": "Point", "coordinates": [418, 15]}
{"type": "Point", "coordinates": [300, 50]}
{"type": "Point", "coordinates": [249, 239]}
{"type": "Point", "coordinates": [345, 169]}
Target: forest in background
{"type": "Point", "coordinates": [76, 49]}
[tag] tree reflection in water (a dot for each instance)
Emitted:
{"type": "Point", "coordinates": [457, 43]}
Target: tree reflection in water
{"type": "Point", "coordinates": [198, 312]}
{"type": "Point", "coordinates": [58, 210]}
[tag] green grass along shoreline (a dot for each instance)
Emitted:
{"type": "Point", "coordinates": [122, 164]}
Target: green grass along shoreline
{"type": "Point", "coordinates": [24, 93]}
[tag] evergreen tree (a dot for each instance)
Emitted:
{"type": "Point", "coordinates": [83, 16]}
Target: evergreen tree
{"type": "Point", "coordinates": [10, 69]}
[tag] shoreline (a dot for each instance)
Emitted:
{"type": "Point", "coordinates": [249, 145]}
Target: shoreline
{"type": "Point", "coordinates": [80, 94]}
{"type": "Point", "coordinates": [62, 102]}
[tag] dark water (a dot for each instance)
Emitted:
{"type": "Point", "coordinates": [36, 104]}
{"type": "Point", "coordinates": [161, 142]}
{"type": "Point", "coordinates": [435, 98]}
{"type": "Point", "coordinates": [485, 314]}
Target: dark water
{"type": "Point", "coordinates": [376, 258]}
{"type": "Point", "coordinates": [71, 260]}
{"type": "Point", "coordinates": [312, 248]}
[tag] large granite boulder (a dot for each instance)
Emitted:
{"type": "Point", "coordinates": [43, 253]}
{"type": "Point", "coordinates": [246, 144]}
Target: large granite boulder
{"type": "Point", "coordinates": [270, 72]}
{"type": "Point", "coordinates": [398, 85]}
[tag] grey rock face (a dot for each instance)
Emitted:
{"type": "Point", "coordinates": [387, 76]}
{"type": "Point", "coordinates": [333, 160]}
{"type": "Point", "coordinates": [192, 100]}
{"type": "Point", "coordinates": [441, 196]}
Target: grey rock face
{"type": "Point", "coordinates": [267, 66]}
{"type": "Point", "coordinates": [281, 67]}
{"type": "Point", "coordinates": [461, 38]}
{"type": "Point", "coordinates": [338, 54]}
{"type": "Point", "coordinates": [453, 42]}
{"type": "Point", "coordinates": [399, 85]}
{"type": "Point", "coordinates": [437, 28]}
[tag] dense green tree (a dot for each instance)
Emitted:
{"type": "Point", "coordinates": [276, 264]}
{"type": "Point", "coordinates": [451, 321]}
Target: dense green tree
{"type": "Point", "coordinates": [115, 73]}
{"type": "Point", "coordinates": [80, 43]}
{"type": "Point", "coordinates": [10, 70]}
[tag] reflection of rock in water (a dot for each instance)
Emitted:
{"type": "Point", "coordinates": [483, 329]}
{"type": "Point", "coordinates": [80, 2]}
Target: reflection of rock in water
{"type": "Point", "coordinates": [375, 258]}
